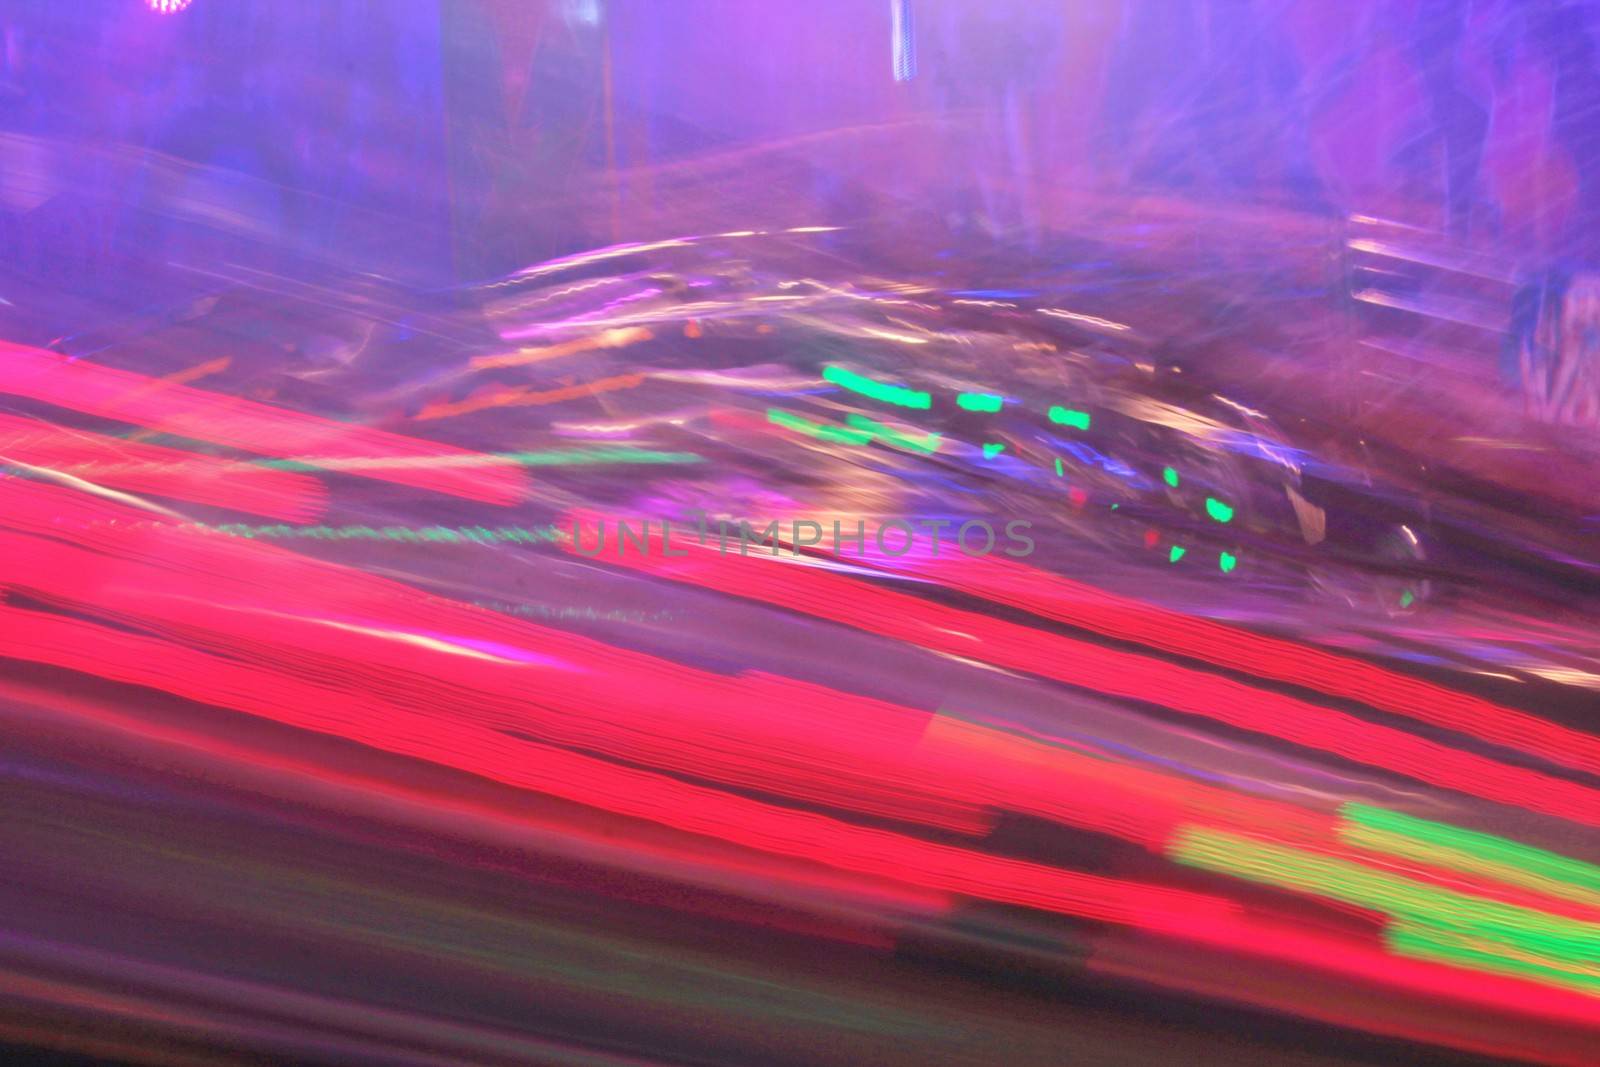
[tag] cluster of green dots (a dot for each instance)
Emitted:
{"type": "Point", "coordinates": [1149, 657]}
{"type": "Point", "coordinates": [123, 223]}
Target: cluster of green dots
{"type": "Point", "coordinates": [863, 430]}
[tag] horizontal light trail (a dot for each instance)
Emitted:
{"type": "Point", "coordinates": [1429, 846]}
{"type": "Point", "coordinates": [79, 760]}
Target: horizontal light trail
{"type": "Point", "coordinates": [557, 457]}
{"type": "Point", "coordinates": [184, 411]}
{"type": "Point", "coordinates": [136, 467]}
{"type": "Point", "coordinates": [504, 397]}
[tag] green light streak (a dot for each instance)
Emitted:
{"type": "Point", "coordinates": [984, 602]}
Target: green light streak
{"type": "Point", "coordinates": [1059, 471]}
{"type": "Point", "coordinates": [1218, 510]}
{"type": "Point", "coordinates": [1069, 417]}
{"type": "Point", "coordinates": [820, 430]}
{"type": "Point", "coordinates": [881, 391]}
{"type": "Point", "coordinates": [1466, 850]}
{"type": "Point", "coordinates": [889, 435]}
{"type": "Point", "coordinates": [1428, 942]}
{"type": "Point", "coordinates": [1374, 840]}
{"type": "Point", "coordinates": [561, 457]}
{"type": "Point", "coordinates": [1169, 476]}
{"type": "Point", "coordinates": [1503, 931]}
{"type": "Point", "coordinates": [980, 401]}
{"type": "Point", "coordinates": [411, 534]}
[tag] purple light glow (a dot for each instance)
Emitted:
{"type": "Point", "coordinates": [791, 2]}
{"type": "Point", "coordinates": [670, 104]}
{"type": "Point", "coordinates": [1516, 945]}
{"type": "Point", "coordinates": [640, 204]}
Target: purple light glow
{"type": "Point", "coordinates": [167, 7]}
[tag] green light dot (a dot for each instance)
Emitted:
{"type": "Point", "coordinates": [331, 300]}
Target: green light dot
{"type": "Point", "coordinates": [1176, 554]}
{"type": "Point", "coordinates": [992, 450]}
{"type": "Point", "coordinates": [1070, 417]}
{"type": "Point", "coordinates": [1170, 476]}
{"type": "Point", "coordinates": [1059, 471]}
{"type": "Point", "coordinates": [980, 401]}
{"type": "Point", "coordinates": [1218, 510]}
{"type": "Point", "coordinates": [1407, 599]}
{"type": "Point", "coordinates": [1227, 561]}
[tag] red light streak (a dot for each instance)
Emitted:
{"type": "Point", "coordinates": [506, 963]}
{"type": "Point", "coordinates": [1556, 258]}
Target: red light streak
{"type": "Point", "coordinates": [139, 660]}
{"type": "Point", "coordinates": [1121, 674]}
{"type": "Point", "coordinates": [1061, 599]}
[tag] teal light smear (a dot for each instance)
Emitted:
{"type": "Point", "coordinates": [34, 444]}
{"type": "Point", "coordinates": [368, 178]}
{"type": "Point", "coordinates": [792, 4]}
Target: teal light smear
{"type": "Point", "coordinates": [820, 430]}
{"type": "Point", "coordinates": [1070, 417]}
{"type": "Point", "coordinates": [889, 435]}
{"type": "Point", "coordinates": [882, 391]}
{"type": "Point", "coordinates": [980, 401]}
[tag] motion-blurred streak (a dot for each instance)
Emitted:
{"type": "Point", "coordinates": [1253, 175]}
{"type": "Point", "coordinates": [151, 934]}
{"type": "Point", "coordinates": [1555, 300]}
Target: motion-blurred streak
{"type": "Point", "coordinates": [1147, 680]}
{"type": "Point", "coordinates": [1132, 582]}
{"type": "Point", "coordinates": [186, 412]}
{"type": "Point", "coordinates": [139, 467]}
